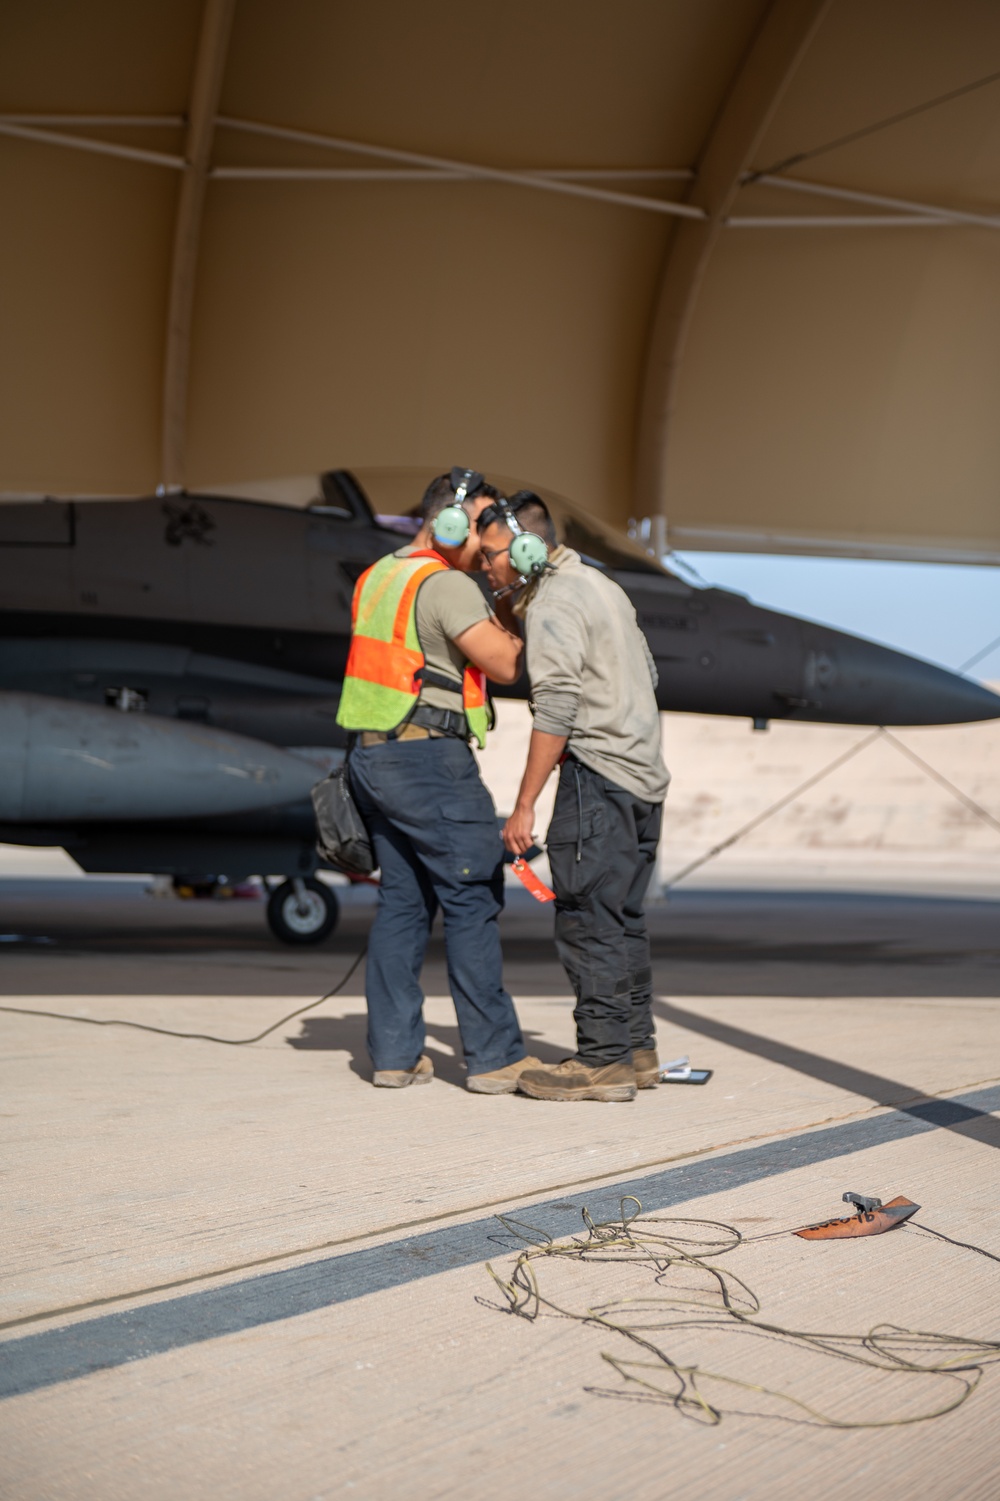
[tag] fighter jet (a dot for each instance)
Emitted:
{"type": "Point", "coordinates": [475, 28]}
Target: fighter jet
{"type": "Point", "coordinates": [170, 669]}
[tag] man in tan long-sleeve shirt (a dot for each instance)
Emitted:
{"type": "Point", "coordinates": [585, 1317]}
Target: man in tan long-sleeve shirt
{"type": "Point", "coordinates": [593, 687]}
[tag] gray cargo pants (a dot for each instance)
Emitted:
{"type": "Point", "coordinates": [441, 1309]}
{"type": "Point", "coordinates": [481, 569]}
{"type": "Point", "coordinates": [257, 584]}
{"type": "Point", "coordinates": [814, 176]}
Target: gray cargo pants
{"type": "Point", "coordinates": [602, 848]}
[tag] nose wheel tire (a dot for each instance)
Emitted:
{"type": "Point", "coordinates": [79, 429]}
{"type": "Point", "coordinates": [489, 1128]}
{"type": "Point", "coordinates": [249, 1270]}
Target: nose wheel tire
{"type": "Point", "coordinates": [302, 911]}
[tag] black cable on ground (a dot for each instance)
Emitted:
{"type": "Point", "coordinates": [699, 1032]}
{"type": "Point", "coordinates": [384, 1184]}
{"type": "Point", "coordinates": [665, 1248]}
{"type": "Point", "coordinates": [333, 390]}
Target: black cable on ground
{"type": "Point", "coordinates": [964, 1244]}
{"type": "Point", "coordinates": [228, 1042]}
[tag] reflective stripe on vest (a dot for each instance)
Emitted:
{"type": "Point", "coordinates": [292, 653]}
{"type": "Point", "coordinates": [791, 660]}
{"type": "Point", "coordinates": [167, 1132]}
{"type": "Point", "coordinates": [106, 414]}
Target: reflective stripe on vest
{"type": "Point", "coordinates": [380, 683]}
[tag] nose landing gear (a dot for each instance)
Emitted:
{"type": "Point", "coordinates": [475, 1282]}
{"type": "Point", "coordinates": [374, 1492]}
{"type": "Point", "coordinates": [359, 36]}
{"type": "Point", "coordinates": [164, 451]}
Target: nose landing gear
{"type": "Point", "coordinates": [302, 910]}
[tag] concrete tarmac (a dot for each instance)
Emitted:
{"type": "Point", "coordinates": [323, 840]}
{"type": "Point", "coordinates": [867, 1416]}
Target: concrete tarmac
{"type": "Point", "coordinates": [244, 1273]}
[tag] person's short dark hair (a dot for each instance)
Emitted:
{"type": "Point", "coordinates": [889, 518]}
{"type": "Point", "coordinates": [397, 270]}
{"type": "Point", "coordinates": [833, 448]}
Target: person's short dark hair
{"type": "Point", "coordinates": [532, 516]}
{"type": "Point", "coordinates": [440, 493]}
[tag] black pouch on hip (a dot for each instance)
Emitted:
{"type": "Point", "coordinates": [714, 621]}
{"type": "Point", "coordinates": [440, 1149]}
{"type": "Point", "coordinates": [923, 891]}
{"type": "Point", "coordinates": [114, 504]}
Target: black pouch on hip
{"type": "Point", "coordinates": [343, 838]}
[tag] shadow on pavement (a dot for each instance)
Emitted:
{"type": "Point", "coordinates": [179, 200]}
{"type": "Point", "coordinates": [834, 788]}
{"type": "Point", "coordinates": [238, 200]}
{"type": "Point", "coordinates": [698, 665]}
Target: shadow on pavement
{"type": "Point", "coordinates": [347, 1035]}
{"type": "Point", "coordinates": [947, 1114]}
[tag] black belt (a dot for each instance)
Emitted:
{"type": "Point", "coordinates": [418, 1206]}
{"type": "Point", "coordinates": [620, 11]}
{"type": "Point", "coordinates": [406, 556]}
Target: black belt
{"type": "Point", "coordinates": [446, 721]}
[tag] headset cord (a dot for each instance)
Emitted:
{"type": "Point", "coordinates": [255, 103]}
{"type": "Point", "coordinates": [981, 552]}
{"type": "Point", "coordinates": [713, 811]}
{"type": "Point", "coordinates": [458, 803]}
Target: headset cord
{"type": "Point", "coordinates": [228, 1042]}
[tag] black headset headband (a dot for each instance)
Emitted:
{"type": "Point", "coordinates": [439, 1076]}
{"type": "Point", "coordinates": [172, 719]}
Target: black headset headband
{"type": "Point", "coordinates": [500, 510]}
{"type": "Point", "coordinates": [465, 483]}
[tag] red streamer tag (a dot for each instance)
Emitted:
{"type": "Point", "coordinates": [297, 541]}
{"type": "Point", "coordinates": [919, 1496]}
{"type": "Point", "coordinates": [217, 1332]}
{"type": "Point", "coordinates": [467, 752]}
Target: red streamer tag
{"type": "Point", "coordinates": [531, 883]}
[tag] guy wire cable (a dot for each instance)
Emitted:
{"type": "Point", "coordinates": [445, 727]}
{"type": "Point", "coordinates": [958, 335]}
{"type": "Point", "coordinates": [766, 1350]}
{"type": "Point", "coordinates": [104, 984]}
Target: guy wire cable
{"type": "Point", "coordinates": [834, 765]}
{"type": "Point", "coordinates": [979, 655]}
{"type": "Point", "coordinates": [874, 127]}
{"type": "Point", "coordinates": [789, 797]}
{"type": "Point", "coordinates": [942, 781]}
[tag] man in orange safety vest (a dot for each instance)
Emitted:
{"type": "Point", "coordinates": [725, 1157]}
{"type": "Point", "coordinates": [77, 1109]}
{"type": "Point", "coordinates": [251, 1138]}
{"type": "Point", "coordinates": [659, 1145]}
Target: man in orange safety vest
{"type": "Point", "coordinates": [424, 641]}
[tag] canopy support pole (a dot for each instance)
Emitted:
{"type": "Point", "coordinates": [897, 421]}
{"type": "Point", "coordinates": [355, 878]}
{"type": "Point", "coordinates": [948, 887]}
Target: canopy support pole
{"type": "Point", "coordinates": [87, 143]}
{"type": "Point", "coordinates": [546, 182]}
{"type": "Point", "coordinates": [210, 62]}
{"type": "Point", "coordinates": [785, 33]}
{"type": "Point", "coordinates": [878, 200]}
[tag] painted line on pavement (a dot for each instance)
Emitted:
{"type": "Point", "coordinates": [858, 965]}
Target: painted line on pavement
{"type": "Point", "coordinates": [68, 1353]}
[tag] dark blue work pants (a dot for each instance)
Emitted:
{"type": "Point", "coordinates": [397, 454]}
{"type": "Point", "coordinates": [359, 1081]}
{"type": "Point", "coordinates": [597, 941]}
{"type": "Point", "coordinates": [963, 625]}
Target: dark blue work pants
{"type": "Point", "coordinates": [437, 843]}
{"type": "Point", "coordinates": [602, 849]}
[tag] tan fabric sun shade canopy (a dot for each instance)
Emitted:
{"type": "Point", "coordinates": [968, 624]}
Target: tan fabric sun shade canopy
{"type": "Point", "coordinates": [730, 266]}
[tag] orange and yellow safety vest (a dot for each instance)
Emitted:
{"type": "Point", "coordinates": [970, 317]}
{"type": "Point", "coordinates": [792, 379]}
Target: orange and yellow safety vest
{"type": "Point", "coordinates": [382, 683]}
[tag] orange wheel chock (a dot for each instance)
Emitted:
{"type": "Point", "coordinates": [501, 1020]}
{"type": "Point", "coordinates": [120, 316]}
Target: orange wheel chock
{"type": "Point", "coordinates": [873, 1218]}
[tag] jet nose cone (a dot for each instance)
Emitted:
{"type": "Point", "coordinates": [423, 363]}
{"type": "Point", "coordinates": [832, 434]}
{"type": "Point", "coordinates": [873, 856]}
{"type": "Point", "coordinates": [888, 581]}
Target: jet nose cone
{"type": "Point", "coordinates": [870, 684]}
{"type": "Point", "coordinates": [966, 700]}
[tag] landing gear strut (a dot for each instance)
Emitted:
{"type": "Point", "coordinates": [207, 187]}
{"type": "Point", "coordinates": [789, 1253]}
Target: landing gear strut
{"type": "Point", "coordinates": [302, 910]}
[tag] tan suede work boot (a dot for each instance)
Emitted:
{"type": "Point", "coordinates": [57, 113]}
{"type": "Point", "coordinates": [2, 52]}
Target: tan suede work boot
{"type": "Point", "coordinates": [647, 1067]}
{"type": "Point", "coordinates": [422, 1072]}
{"type": "Point", "coordinates": [500, 1080]}
{"type": "Point", "coordinates": [574, 1080]}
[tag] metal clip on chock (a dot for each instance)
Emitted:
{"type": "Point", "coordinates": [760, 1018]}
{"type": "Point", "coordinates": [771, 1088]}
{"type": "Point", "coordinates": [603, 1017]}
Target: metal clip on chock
{"type": "Point", "coordinates": [861, 1204]}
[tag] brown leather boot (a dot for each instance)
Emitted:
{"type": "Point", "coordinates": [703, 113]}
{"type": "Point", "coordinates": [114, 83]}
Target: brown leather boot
{"type": "Point", "coordinates": [575, 1080]}
{"type": "Point", "coordinates": [500, 1080]}
{"type": "Point", "coordinates": [647, 1067]}
{"type": "Point", "coordinates": [422, 1072]}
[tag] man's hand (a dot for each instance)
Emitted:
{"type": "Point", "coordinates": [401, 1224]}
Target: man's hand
{"type": "Point", "coordinates": [517, 831]}
{"type": "Point", "coordinates": [544, 751]}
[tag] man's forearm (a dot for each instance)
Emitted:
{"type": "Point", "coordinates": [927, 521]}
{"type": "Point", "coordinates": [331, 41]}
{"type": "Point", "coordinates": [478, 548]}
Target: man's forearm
{"type": "Point", "coordinates": [544, 751]}
{"type": "Point", "coordinates": [496, 651]}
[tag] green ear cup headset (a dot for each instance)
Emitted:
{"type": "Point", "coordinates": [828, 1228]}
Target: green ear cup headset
{"type": "Point", "coordinates": [529, 553]}
{"type": "Point", "coordinates": [452, 525]}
